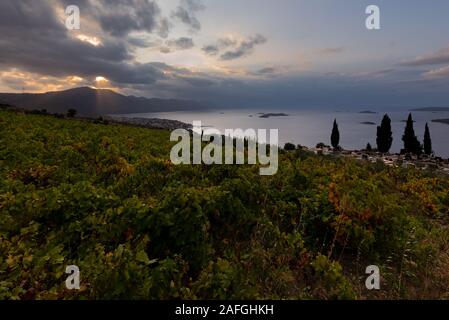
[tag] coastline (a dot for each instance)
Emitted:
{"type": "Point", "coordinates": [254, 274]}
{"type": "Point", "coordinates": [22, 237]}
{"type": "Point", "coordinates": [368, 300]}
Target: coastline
{"type": "Point", "coordinates": [150, 123]}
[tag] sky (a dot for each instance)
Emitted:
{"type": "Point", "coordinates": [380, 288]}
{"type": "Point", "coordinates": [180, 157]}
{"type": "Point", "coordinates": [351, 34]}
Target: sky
{"type": "Point", "coordinates": [233, 53]}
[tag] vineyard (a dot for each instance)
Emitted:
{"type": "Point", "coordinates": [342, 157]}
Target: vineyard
{"type": "Point", "coordinates": [106, 197]}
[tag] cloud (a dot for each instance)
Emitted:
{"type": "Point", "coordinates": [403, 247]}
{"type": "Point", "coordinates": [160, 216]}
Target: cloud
{"type": "Point", "coordinates": [367, 75]}
{"type": "Point", "coordinates": [141, 43]}
{"type": "Point", "coordinates": [439, 57]}
{"type": "Point", "coordinates": [35, 40]}
{"type": "Point", "coordinates": [211, 50]}
{"type": "Point", "coordinates": [164, 28]}
{"type": "Point", "coordinates": [267, 70]}
{"type": "Point", "coordinates": [182, 43]}
{"type": "Point", "coordinates": [233, 48]}
{"type": "Point", "coordinates": [222, 43]}
{"type": "Point", "coordinates": [186, 13]}
{"type": "Point", "coordinates": [40, 54]}
{"type": "Point", "coordinates": [244, 48]}
{"type": "Point", "coordinates": [270, 71]}
{"type": "Point", "coordinates": [442, 72]}
{"type": "Point", "coordinates": [119, 18]}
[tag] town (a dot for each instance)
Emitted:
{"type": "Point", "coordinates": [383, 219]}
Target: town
{"type": "Point", "coordinates": [407, 160]}
{"type": "Point", "coordinates": [414, 154]}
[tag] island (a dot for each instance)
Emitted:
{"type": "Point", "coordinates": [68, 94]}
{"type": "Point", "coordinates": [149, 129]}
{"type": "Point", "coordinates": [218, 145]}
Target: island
{"type": "Point", "coordinates": [445, 121]}
{"type": "Point", "coordinates": [368, 112]}
{"type": "Point", "coordinates": [269, 115]}
{"type": "Point", "coordinates": [368, 122]}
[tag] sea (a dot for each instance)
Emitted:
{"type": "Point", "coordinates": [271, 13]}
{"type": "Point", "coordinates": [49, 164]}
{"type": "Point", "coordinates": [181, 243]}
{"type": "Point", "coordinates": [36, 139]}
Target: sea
{"type": "Point", "coordinates": [309, 127]}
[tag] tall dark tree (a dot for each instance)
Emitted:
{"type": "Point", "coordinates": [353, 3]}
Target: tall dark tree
{"type": "Point", "coordinates": [335, 136]}
{"type": "Point", "coordinates": [289, 146]}
{"type": "Point", "coordinates": [368, 147]}
{"type": "Point", "coordinates": [384, 135]}
{"type": "Point", "coordinates": [71, 113]}
{"type": "Point", "coordinates": [427, 141]}
{"type": "Point", "coordinates": [411, 143]}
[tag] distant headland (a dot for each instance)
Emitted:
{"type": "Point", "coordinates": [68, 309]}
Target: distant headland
{"type": "Point", "coordinates": [432, 109]}
{"type": "Point", "coordinates": [269, 115]}
{"type": "Point", "coordinates": [368, 112]}
{"type": "Point", "coordinates": [445, 121]}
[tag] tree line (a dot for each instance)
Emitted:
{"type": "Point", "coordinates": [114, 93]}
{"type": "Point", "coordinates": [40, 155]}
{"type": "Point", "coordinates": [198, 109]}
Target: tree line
{"type": "Point", "coordinates": [384, 139]}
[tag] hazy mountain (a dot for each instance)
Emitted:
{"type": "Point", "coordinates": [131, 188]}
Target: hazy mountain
{"type": "Point", "coordinates": [432, 109]}
{"type": "Point", "coordinates": [92, 102]}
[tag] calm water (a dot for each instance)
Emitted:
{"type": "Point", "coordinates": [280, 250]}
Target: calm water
{"type": "Point", "coordinates": [310, 127]}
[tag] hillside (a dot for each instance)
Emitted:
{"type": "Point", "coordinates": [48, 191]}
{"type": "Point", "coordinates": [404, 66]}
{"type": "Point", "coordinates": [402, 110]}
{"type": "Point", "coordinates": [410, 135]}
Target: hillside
{"type": "Point", "coordinates": [94, 102]}
{"type": "Point", "coordinates": [107, 199]}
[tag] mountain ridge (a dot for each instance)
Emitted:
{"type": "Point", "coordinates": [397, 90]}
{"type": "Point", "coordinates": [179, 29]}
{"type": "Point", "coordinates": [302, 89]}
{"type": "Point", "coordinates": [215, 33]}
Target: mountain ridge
{"type": "Point", "coordinates": [95, 102]}
{"type": "Point", "coordinates": [432, 109]}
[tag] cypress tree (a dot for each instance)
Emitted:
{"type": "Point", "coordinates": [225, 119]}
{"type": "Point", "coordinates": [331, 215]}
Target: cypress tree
{"type": "Point", "coordinates": [427, 141]}
{"type": "Point", "coordinates": [384, 135]}
{"type": "Point", "coordinates": [335, 136]}
{"type": "Point", "coordinates": [411, 143]}
{"type": "Point", "coordinates": [368, 147]}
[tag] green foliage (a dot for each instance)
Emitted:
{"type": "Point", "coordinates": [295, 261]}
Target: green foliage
{"type": "Point", "coordinates": [108, 199]}
{"type": "Point", "coordinates": [289, 146]}
{"type": "Point", "coordinates": [329, 276]}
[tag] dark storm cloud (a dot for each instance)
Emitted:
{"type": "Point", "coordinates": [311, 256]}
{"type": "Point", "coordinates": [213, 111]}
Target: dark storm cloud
{"type": "Point", "coordinates": [124, 16]}
{"type": "Point", "coordinates": [121, 17]}
{"type": "Point", "coordinates": [28, 15]}
{"type": "Point", "coordinates": [34, 40]}
{"type": "Point", "coordinates": [186, 13]}
{"type": "Point", "coordinates": [245, 48]}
